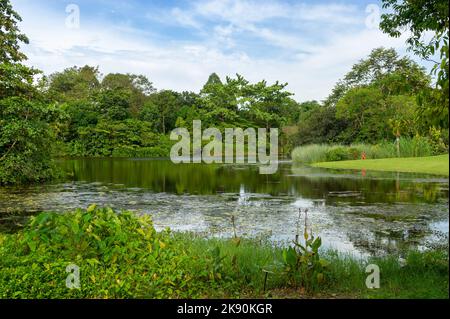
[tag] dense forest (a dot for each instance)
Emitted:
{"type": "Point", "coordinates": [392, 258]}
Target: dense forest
{"type": "Point", "coordinates": [81, 112]}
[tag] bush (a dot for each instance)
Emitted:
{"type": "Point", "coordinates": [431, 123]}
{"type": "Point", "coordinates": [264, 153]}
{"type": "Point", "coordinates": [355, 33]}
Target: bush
{"type": "Point", "coordinates": [338, 153]}
{"type": "Point", "coordinates": [119, 255]}
{"type": "Point", "coordinates": [439, 141]}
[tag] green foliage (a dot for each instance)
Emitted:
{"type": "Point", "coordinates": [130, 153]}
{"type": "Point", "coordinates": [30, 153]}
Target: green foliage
{"type": "Point", "coordinates": [384, 69]}
{"type": "Point", "coordinates": [422, 18]}
{"type": "Point", "coordinates": [378, 91]}
{"type": "Point", "coordinates": [123, 115]}
{"type": "Point", "coordinates": [339, 153]}
{"type": "Point", "coordinates": [310, 153]}
{"type": "Point", "coordinates": [26, 119]}
{"type": "Point", "coordinates": [137, 88]}
{"type": "Point", "coordinates": [25, 139]}
{"type": "Point", "coordinates": [114, 105]}
{"type": "Point", "coordinates": [380, 97]}
{"type": "Point", "coordinates": [72, 84]}
{"type": "Point", "coordinates": [10, 36]}
{"type": "Point", "coordinates": [303, 263]}
{"type": "Point", "coordinates": [121, 255]}
{"type": "Point", "coordinates": [418, 146]}
{"type": "Point", "coordinates": [17, 80]}
{"type": "Point", "coordinates": [319, 125]}
{"type": "Point", "coordinates": [420, 275]}
{"type": "Point", "coordinates": [161, 109]}
{"type": "Point", "coordinates": [128, 138]}
{"type": "Point", "coordinates": [439, 140]}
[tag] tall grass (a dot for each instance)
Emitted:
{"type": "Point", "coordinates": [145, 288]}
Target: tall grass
{"type": "Point", "coordinates": [310, 153]}
{"type": "Point", "coordinates": [409, 147]}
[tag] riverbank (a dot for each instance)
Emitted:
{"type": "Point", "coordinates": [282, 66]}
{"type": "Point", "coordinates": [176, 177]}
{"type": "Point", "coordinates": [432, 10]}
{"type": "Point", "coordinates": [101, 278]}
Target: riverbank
{"type": "Point", "coordinates": [122, 256]}
{"type": "Point", "coordinates": [438, 165]}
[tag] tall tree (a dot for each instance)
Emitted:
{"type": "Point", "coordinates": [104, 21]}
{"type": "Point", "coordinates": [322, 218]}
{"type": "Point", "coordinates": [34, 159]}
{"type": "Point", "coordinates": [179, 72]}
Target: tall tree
{"type": "Point", "coordinates": [10, 35]}
{"type": "Point", "coordinates": [161, 109]}
{"type": "Point", "coordinates": [75, 83]}
{"type": "Point", "coordinates": [137, 86]}
{"type": "Point", "coordinates": [419, 18]}
{"type": "Point", "coordinates": [213, 79]}
{"type": "Point", "coordinates": [25, 133]}
{"type": "Point", "coordinates": [380, 63]}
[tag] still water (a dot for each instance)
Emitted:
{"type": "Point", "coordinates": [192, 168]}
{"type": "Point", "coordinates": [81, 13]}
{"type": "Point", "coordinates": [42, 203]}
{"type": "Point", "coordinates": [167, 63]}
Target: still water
{"type": "Point", "coordinates": [363, 213]}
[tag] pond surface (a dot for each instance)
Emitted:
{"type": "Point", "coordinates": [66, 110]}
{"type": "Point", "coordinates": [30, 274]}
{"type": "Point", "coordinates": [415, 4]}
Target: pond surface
{"type": "Point", "coordinates": [364, 213]}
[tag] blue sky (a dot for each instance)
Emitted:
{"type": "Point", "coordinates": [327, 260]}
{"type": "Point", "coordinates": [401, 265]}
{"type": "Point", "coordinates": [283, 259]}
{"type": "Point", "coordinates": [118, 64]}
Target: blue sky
{"type": "Point", "coordinates": [177, 44]}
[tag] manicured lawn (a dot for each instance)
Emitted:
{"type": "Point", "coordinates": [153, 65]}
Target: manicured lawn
{"type": "Point", "coordinates": [430, 165]}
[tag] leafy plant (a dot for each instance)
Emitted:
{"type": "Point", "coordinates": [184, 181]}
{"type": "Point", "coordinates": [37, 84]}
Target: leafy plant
{"type": "Point", "coordinates": [303, 262]}
{"type": "Point", "coordinates": [338, 154]}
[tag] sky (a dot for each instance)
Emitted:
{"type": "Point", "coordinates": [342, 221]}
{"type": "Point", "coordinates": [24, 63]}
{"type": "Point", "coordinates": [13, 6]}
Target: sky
{"type": "Point", "coordinates": [308, 44]}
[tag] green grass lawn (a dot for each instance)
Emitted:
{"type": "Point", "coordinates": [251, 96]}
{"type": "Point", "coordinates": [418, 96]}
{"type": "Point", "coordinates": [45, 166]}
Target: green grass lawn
{"type": "Point", "coordinates": [437, 165]}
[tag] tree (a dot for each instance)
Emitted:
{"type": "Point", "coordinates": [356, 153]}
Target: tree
{"type": "Point", "coordinates": [137, 86]}
{"type": "Point", "coordinates": [213, 79]}
{"type": "Point", "coordinates": [25, 133]}
{"type": "Point", "coordinates": [161, 110]}
{"type": "Point", "coordinates": [220, 101]}
{"type": "Point", "coordinates": [10, 36]}
{"type": "Point", "coordinates": [366, 112]}
{"type": "Point", "coordinates": [25, 140]}
{"type": "Point", "coordinates": [73, 84]}
{"type": "Point", "coordinates": [378, 91]}
{"type": "Point", "coordinates": [269, 105]}
{"type": "Point", "coordinates": [420, 17]}
{"type": "Point", "coordinates": [238, 102]}
{"type": "Point", "coordinates": [380, 64]}
{"type": "Point", "coordinates": [114, 104]}
{"type": "Point", "coordinates": [319, 125]}
{"type": "Point", "coordinates": [17, 79]}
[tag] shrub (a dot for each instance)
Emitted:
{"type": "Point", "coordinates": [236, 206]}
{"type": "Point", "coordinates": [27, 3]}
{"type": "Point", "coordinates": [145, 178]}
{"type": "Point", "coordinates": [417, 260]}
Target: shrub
{"type": "Point", "coordinates": [338, 153]}
{"type": "Point", "coordinates": [438, 140]}
{"type": "Point", "coordinates": [119, 255]}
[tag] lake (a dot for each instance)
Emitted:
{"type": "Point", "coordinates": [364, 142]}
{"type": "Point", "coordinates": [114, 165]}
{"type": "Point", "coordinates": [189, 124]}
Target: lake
{"type": "Point", "coordinates": [360, 212]}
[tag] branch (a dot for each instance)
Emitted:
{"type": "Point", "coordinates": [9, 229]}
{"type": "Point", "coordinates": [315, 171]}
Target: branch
{"type": "Point", "coordinates": [9, 149]}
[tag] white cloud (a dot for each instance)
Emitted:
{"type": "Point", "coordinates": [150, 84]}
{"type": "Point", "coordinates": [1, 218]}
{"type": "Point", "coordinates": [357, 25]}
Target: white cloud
{"type": "Point", "coordinates": [181, 64]}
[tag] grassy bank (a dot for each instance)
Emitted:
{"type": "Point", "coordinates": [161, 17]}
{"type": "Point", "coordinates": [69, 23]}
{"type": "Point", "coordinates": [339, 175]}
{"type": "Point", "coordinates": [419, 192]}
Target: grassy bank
{"type": "Point", "coordinates": [429, 165]}
{"type": "Point", "coordinates": [409, 147]}
{"type": "Point", "coordinates": [122, 256]}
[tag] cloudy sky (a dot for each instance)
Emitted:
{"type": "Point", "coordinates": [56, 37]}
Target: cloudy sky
{"type": "Point", "coordinates": [177, 44]}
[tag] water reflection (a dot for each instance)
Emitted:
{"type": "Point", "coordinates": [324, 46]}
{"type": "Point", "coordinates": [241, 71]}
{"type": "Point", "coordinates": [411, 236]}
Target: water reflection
{"type": "Point", "coordinates": [363, 212]}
